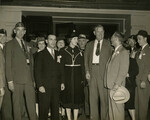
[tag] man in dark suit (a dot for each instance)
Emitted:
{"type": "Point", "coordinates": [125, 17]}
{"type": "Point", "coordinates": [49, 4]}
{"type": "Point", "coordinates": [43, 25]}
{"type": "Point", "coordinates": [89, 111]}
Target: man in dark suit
{"type": "Point", "coordinates": [47, 80]}
{"type": "Point", "coordinates": [142, 96]}
{"type": "Point", "coordinates": [2, 65]}
{"type": "Point", "coordinates": [97, 53]}
{"type": "Point", "coordinates": [19, 74]}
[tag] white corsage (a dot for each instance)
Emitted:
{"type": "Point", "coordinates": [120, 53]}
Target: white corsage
{"type": "Point", "coordinates": [144, 54]}
{"type": "Point", "coordinates": [141, 54]}
{"type": "Point", "coordinates": [59, 58]}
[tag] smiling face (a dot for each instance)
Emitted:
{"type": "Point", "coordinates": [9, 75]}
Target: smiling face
{"type": "Point", "coordinates": [74, 41]}
{"type": "Point", "coordinates": [131, 42]}
{"type": "Point", "coordinates": [142, 40]}
{"type": "Point", "coordinates": [82, 43]}
{"type": "Point", "coordinates": [41, 45]}
{"type": "Point", "coordinates": [51, 41]}
{"type": "Point", "coordinates": [114, 40]}
{"type": "Point", "coordinates": [99, 33]}
{"type": "Point", "coordinates": [20, 32]}
{"type": "Point", "coordinates": [3, 39]}
{"type": "Point", "coordinates": [60, 44]}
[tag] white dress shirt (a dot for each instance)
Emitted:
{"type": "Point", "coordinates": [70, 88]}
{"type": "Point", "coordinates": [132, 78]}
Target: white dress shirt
{"type": "Point", "coordinates": [95, 57]}
{"type": "Point", "coordinates": [51, 51]}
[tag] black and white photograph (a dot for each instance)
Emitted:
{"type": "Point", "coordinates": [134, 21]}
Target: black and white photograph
{"type": "Point", "coordinates": [74, 60]}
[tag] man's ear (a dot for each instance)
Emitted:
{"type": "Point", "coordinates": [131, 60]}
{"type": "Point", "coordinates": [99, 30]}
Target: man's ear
{"type": "Point", "coordinates": [46, 41]}
{"type": "Point", "coordinates": [24, 31]}
{"type": "Point", "coordinates": [94, 32]}
{"type": "Point", "coordinates": [15, 31]}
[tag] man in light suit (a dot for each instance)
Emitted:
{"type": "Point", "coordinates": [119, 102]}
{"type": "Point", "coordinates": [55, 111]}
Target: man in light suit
{"type": "Point", "coordinates": [96, 55]}
{"type": "Point", "coordinates": [19, 74]}
{"type": "Point", "coordinates": [117, 69]}
{"type": "Point", "coordinates": [142, 96]}
{"type": "Point", "coordinates": [2, 65]}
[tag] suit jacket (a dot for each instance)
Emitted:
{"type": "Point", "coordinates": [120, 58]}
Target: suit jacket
{"type": "Point", "coordinates": [105, 54]}
{"type": "Point", "coordinates": [117, 68]}
{"type": "Point", "coordinates": [17, 69]}
{"type": "Point", "coordinates": [2, 69]}
{"type": "Point", "coordinates": [47, 70]}
{"type": "Point", "coordinates": [144, 65]}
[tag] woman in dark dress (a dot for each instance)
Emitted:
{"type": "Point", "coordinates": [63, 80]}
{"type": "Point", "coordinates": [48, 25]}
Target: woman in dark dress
{"type": "Point", "coordinates": [132, 73]}
{"type": "Point", "coordinates": [72, 97]}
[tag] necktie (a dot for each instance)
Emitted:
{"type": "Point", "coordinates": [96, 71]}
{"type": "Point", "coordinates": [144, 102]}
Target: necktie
{"type": "Point", "coordinates": [98, 48]}
{"type": "Point", "coordinates": [52, 53]}
{"type": "Point", "coordinates": [24, 49]}
{"type": "Point", "coordinates": [23, 46]}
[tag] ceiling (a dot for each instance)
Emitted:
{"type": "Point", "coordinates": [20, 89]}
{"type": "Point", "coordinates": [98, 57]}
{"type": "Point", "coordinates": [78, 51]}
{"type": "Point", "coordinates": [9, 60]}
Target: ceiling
{"type": "Point", "coordinates": [98, 4]}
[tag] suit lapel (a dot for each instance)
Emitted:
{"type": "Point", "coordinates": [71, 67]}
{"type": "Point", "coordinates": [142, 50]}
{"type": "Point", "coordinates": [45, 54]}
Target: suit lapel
{"type": "Point", "coordinates": [91, 50]}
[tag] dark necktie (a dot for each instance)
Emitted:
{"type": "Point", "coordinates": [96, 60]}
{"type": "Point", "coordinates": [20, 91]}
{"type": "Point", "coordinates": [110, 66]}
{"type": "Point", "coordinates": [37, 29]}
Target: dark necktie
{"type": "Point", "coordinates": [24, 49]}
{"type": "Point", "coordinates": [23, 46]}
{"type": "Point", "coordinates": [52, 53]}
{"type": "Point", "coordinates": [98, 48]}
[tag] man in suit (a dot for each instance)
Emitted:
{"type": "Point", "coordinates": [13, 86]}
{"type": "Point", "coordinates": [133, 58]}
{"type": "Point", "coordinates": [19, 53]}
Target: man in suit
{"type": "Point", "coordinates": [47, 80]}
{"type": "Point", "coordinates": [117, 69]}
{"type": "Point", "coordinates": [19, 74]}
{"type": "Point", "coordinates": [6, 108]}
{"type": "Point", "coordinates": [2, 65]}
{"type": "Point", "coordinates": [143, 86]}
{"type": "Point", "coordinates": [96, 55]}
{"type": "Point", "coordinates": [82, 41]}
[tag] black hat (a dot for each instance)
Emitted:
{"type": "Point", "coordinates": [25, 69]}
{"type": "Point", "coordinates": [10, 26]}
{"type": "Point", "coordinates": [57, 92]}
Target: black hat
{"type": "Point", "coordinates": [60, 38]}
{"type": "Point", "coordinates": [82, 36]}
{"type": "Point", "coordinates": [19, 24]}
{"type": "Point", "coordinates": [39, 39]}
{"type": "Point", "coordinates": [73, 34]}
{"type": "Point", "coordinates": [143, 33]}
{"type": "Point", "coordinates": [3, 31]}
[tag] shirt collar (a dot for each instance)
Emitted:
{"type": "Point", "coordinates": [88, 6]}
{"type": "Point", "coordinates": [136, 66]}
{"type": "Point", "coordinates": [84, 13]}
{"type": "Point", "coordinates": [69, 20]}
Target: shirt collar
{"type": "Point", "coordinates": [144, 46]}
{"type": "Point", "coordinates": [117, 48]}
{"type": "Point", "coordinates": [1, 46]}
{"type": "Point", "coordinates": [97, 40]}
{"type": "Point", "coordinates": [49, 49]}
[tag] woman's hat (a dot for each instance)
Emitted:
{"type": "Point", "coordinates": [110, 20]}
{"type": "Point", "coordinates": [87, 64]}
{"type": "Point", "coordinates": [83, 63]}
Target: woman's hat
{"type": "Point", "coordinates": [121, 95]}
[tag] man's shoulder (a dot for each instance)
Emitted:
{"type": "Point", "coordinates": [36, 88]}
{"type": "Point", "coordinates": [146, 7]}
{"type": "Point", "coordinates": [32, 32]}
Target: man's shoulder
{"type": "Point", "coordinates": [11, 42]}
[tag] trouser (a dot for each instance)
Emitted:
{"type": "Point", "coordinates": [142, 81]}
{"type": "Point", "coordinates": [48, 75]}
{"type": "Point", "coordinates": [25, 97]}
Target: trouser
{"type": "Point", "coordinates": [142, 98]}
{"type": "Point", "coordinates": [116, 111]}
{"type": "Point", "coordinates": [87, 102]}
{"type": "Point", "coordinates": [98, 92]}
{"type": "Point", "coordinates": [7, 108]}
{"type": "Point", "coordinates": [23, 92]}
{"type": "Point", "coordinates": [49, 100]}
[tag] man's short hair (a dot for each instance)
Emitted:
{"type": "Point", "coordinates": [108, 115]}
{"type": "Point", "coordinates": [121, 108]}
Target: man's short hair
{"type": "Point", "coordinates": [19, 24]}
{"type": "Point", "coordinates": [120, 36]}
{"type": "Point", "coordinates": [98, 26]}
{"type": "Point", "coordinates": [142, 33]}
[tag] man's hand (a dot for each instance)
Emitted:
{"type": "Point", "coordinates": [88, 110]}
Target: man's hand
{"type": "Point", "coordinates": [115, 87]}
{"type": "Point", "coordinates": [62, 86]}
{"type": "Point", "coordinates": [143, 85]}
{"type": "Point", "coordinates": [87, 76]}
{"type": "Point", "coordinates": [2, 91]}
{"type": "Point", "coordinates": [42, 89]}
{"type": "Point", "coordinates": [11, 86]}
{"type": "Point", "coordinates": [149, 77]}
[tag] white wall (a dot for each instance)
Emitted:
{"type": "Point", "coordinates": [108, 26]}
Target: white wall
{"type": "Point", "coordinates": [10, 15]}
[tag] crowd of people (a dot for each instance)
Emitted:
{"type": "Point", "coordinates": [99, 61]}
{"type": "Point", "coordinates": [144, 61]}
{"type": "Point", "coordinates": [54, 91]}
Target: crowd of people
{"type": "Point", "coordinates": [98, 78]}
